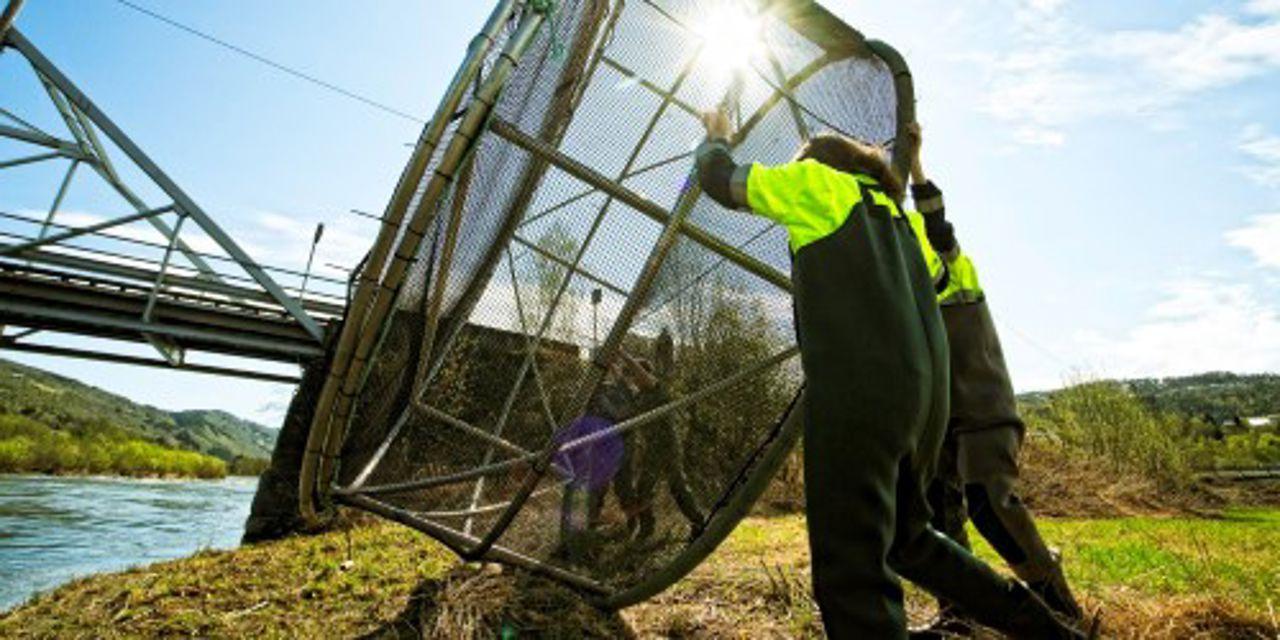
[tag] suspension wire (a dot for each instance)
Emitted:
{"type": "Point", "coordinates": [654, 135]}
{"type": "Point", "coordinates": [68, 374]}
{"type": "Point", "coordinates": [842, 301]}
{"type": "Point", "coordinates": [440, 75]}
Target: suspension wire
{"type": "Point", "coordinates": [301, 75]}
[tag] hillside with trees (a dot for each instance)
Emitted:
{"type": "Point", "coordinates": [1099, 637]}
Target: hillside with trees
{"type": "Point", "coordinates": [54, 424]}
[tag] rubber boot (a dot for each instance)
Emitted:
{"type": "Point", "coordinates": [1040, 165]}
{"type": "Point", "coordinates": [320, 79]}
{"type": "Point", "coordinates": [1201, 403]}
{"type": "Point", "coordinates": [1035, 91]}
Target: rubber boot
{"type": "Point", "coordinates": [948, 624]}
{"type": "Point", "coordinates": [1031, 619]}
{"type": "Point", "coordinates": [1052, 588]}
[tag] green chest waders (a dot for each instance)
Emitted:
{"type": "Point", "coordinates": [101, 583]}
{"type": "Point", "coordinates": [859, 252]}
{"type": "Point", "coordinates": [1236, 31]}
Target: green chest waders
{"type": "Point", "coordinates": [875, 360]}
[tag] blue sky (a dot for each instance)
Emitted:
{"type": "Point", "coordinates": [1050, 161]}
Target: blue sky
{"type": "Point", "coordinates": [1114, 168]}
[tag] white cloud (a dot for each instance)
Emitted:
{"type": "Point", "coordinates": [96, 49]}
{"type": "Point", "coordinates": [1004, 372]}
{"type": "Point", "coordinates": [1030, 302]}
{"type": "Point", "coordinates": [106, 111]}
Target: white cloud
{"type": "Point", "coordinates": [1263, 7]}
{"type": "Point", "coordinates": [1202, 324]}
{"type": "Point", "coordinates": [1260, 237]}
{"type": "Point", "coordinates": [1263, 149]}
{"type": "Point", "coordinates": [1060, 73]}
{"type": "Point", "coordinates": [1212, 51]}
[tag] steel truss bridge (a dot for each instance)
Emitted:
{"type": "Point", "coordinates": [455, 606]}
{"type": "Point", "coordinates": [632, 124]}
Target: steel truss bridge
{"type": "Point", "coordinates": [162, 272]}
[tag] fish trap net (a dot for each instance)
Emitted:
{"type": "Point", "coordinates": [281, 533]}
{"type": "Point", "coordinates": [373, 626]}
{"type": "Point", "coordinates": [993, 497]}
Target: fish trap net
{"type": "Point", "coordinates": [561, 354]}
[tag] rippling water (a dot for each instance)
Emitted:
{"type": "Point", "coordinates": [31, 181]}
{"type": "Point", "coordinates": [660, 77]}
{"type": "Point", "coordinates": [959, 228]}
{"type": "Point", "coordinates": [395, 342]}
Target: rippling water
{"type": "Point", "coordinates": [56, 529]}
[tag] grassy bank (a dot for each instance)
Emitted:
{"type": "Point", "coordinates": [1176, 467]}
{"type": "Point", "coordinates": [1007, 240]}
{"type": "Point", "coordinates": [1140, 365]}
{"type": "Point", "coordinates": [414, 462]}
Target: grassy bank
{"type": "Point", "coordinates": [28, 446]}
{"type": "Point", "coordinates": [1152, 577]}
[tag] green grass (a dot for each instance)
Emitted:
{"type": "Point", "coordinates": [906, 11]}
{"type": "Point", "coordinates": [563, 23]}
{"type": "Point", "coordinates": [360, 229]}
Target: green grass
{"type": "Point", "coordinates": [1236, 557]}
{"type": "Point", "coordinates": [1151, 577]}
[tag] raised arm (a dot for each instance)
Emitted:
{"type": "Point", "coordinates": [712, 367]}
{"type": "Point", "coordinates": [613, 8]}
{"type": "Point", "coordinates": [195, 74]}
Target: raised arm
{"type": "Point", "coordinates": [928, 200]}
{"type": "Point", "coordinates": [721, 178]}
{"type": "Point", "coordinates": [807, 197]}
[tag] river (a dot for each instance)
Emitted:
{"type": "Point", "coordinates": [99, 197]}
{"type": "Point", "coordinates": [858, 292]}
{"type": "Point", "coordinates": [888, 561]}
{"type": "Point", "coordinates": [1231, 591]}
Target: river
{"type": "Point", "coordinates": [54, 529]}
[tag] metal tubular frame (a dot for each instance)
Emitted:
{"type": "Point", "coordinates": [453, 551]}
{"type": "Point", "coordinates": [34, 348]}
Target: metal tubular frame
{"type": "Point", "coordinates": [453, 159]}
{"type": "Point", "coordinates": [372, 297]}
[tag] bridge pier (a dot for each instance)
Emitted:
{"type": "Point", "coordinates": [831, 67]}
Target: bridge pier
{"type": "Point", "coordinates": [274, 513]}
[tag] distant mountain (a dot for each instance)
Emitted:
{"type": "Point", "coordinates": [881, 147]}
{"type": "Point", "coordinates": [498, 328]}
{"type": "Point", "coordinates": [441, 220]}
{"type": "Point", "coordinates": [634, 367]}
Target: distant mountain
{"type": "Point", "coordinates": [64, 403]}
{"type": "Point", "coordinates": [1218, 395]}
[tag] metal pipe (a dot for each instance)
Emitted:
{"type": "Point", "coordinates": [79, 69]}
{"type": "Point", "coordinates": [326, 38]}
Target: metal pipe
{"type": "Point", "coordinates": [458, 541]}
{"type": "Point", "coordinates": [30, 127]}
{"type": "Point", "coordinates": [736, 504]}
{"type": "Point", "coordinates": [904, 91]}
{"type": "Point", "coordinates": [435, 481]}
{"type": "Point", "coordinates": [474, 431]}
{"type": "Point", "coordinates": [533, 247]}
{"type": "Point", "coordinates": [476, 511]}
{"type": "Point", "coordinates": [671, 407]}
{"type": "Point", "coordinates": [93, 228]}
{"type": "Point", "coordinates": [143, 162]}
{"type": "Point", "coordinates": [64, 147]}
{"type": "Point", "coordinates": [639, 203]}
{"type": "Point", "coordinates": [667, 96]}
{"type": "Point", "coordinates": [370, 288]}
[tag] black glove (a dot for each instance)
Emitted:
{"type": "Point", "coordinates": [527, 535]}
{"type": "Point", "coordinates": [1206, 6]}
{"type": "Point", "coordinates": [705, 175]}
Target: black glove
{"type": "Point", "coordinates": [928, 200]}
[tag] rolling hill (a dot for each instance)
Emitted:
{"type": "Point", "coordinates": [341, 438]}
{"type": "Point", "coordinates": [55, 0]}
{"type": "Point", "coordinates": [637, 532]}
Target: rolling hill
{"type": "Point", "coordinates": [65, 404]}
{"type": "Point", "coordinates": [1218, 395]}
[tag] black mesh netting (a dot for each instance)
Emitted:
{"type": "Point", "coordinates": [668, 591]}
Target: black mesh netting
{"type": "Point", "coordinates": [542, 272]}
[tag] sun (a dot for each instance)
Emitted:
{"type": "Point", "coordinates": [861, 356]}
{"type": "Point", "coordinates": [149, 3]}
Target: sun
{"type": "Point", "coordinates": [732, 37]}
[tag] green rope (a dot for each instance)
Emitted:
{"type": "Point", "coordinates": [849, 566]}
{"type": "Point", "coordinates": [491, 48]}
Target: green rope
{"type": "Point", "coordinates": [552, 10]}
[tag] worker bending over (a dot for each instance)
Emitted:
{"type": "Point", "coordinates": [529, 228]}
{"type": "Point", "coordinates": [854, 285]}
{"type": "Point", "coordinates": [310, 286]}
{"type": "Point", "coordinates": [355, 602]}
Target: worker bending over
{"type": "Point", "coordinates": [979, 464]}
{"type": "Point", "coordinates": [875, 358]}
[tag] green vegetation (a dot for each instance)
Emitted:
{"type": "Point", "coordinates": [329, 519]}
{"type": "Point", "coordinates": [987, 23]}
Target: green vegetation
{"type": "Point", "coordinates": [1107, 422]}
{"type": "Point", "coordinates": [1110, 423]}
{"type": "Point", "coordinates": [1217, 395]}
{"type": "Point", "coordinates": [1151, 577]}
{"type": "Point", "coordinates": [70, 427]}
{"type": "Point", "coordinates": [27, 446]}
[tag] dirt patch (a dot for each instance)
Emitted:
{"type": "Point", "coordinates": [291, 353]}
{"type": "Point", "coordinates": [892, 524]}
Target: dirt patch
{"type": "Point", "coordinates": [473, 602]}
{"type": "Point", "coordinates": [1127, 616]}
{"type": "Point", "coordinates": [1056, 482]}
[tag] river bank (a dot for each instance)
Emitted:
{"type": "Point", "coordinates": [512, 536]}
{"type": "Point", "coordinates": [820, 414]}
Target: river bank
{"type": "Point", "coordinates": [1152, 577]}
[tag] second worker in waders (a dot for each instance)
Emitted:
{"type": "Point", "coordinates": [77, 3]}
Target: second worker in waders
{"type": "Point", "coordinates": [875, 360]}
{"type": "Point", "coordinates": [978, 468]}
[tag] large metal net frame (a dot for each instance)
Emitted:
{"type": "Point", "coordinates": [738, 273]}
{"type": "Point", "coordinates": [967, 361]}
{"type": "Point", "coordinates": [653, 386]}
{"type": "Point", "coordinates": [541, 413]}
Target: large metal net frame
{"type": "Point", "coordinates": [469, 396]}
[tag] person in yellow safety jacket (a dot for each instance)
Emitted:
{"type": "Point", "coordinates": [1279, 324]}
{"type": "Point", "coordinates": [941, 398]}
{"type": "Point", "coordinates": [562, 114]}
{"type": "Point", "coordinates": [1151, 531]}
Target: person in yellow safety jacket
{"type": "Point", "coordinates": [875, 405]}
{"type": "Point", "coordinates": [979, 462]}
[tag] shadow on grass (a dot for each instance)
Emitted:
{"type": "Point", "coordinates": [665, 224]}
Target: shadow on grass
{"type": "Point", "coordinates": [472, 602]}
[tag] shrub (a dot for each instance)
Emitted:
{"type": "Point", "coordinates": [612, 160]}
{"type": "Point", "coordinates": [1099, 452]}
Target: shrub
{"type": "Point", "coordinates": [27, 445]}
{"type": "Point", "coordinates": [1112, 425]}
